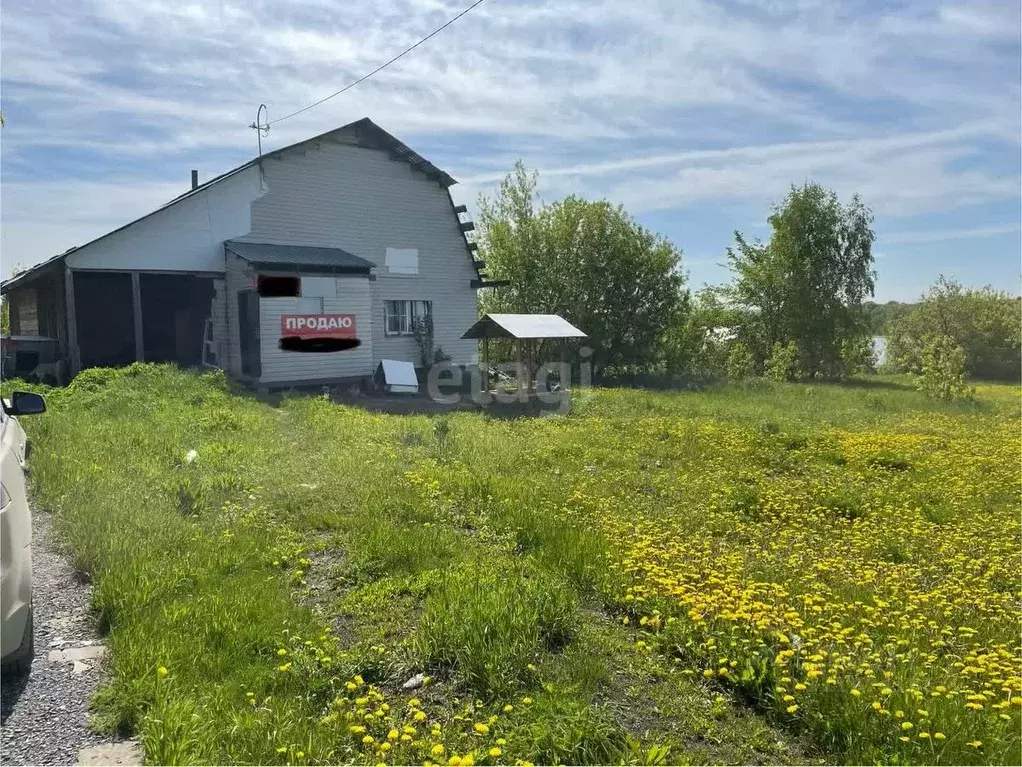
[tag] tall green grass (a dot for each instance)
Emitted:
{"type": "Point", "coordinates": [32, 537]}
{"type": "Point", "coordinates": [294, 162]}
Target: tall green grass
{"type": "Point", "coordinates": [459, 547]}
{"type": "Point", "coordinates": [490, 625]}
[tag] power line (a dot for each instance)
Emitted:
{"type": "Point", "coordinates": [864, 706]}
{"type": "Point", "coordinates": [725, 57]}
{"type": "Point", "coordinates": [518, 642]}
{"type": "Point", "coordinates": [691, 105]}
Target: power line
{"type": "Point", "coordinates": [349, 86]}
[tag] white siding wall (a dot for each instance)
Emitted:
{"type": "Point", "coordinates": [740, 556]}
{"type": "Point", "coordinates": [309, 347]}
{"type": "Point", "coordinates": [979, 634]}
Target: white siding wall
{"type": "Point", "coordinates": [187, 236]}
{"type": "Point", "coordinates": [343, 196]}
{"type": "Point", "coordinates": [353, 297]}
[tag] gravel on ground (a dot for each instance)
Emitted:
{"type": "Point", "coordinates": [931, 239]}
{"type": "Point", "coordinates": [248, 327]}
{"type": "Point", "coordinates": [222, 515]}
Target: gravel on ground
{"type": "Point", "coordinates": [44, 716]}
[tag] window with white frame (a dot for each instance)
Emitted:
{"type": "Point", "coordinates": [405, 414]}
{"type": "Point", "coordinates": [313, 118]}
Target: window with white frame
{"type": "Point", "coordinates": [400, 316]}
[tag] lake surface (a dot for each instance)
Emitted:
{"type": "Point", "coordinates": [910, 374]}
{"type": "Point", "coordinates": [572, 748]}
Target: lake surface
{"type": "Point", "coordinates": [880, 349]}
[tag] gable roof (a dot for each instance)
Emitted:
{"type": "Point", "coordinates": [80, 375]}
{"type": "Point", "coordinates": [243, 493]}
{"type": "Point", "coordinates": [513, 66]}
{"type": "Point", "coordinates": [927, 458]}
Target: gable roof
{"type": "Point", "coordinates": [523, 326]}
{"type": "Point", "coordinates": [306, 256]}
{"type": "Point", "coordinates": [368, 135]}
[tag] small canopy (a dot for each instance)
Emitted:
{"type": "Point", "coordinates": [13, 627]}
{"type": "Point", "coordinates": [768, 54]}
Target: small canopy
{"type": "Point", "coordinates": [523, 327]}
{"type": "Point", "coordinates": [298, 257]}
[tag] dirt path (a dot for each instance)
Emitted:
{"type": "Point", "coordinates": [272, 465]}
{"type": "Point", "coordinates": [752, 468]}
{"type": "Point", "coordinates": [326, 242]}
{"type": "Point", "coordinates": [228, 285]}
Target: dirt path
{"type": "Point", "coordinates": [43, 717]}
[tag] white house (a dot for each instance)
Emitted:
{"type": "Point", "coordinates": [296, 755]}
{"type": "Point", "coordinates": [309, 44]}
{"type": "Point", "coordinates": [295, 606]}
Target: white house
{"type": "Point", "coordinates": [346, 238]}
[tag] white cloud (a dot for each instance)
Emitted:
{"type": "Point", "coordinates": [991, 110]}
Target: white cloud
{"type": "Point", "coordinates": [942, 235]}
{"type": "Point", "coordinates": [653, 103]}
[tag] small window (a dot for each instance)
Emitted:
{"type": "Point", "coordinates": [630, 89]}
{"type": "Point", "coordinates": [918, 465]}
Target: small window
{"type": "Point", "coordinates": [400, 316]}
{"type": "Point", "coordinates": [277, 287]}
{"type": "Point", "coordinates": [402, 260]}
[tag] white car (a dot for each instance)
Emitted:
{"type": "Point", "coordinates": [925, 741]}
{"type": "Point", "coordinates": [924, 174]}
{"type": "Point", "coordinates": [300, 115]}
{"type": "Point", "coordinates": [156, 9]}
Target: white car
{"type": "Point", "coordinates": [15, 535]}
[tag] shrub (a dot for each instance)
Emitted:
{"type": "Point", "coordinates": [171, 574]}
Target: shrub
{"type": "Point", "coordinates": [740, 364]}
{"type": "Point", "coordinates": [782, 365]}
{"type": "Point", "coordinates": [857, 356]}
{"type": "Point", "coordinates": [943, 370]}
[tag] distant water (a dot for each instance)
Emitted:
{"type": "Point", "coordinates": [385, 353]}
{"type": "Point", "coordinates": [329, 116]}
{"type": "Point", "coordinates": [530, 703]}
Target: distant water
{"type": "Point", "coordinates": [880, 349]}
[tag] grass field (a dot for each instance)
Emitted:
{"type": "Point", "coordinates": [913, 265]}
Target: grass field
{"type": "Point", "coordinates": [758, 574]}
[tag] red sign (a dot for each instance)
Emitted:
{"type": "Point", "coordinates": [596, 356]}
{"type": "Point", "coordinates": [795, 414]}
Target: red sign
{"type": "Point", "coordinates": [317, 325]}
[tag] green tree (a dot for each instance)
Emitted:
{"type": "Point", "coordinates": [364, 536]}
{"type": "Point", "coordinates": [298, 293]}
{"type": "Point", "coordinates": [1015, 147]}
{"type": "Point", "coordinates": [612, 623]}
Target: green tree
{"type": "Point", "coordinates": [880, 316]}
{"type": "Point", "coordinates": [984, 322]}
{"type": "Point", "coordinates": [5, 304]}
{"type": "Point", "coordinates": [701, 340]}
{"type": "Point", "coordinates": [587, 261]}
{"type": "Point", "coordinates": [807, 285]}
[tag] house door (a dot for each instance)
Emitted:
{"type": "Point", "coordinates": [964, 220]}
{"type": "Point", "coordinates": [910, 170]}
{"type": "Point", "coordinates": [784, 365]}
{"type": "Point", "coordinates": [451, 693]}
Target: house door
{"type": "Point", "coordinates": [248, 328]}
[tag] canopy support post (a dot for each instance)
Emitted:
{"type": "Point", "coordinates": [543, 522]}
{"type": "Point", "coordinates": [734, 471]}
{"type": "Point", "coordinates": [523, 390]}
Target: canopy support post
{"type": "Point", "coordinates": [486, 363]}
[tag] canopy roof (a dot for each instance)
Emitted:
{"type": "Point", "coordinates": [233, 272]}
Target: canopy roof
{"type": "Point", "coordinates": [298, 257]}
{"type": "Point", "coordinates": [523, 326]}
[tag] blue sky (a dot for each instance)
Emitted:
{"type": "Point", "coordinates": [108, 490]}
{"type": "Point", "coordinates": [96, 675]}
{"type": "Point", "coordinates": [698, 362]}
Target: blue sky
{"type": "Point", "coordinates": [695, 115]}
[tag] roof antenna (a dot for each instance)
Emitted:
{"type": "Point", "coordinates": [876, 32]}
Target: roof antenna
{"type": "Point", "coordinates": [261, 129]}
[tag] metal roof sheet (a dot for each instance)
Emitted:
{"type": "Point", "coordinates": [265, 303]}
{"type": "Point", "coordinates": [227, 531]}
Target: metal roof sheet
{"type": "Point", "coordinates": [523, 326]}
{"type": "Point", "coordinates": [298, 255]}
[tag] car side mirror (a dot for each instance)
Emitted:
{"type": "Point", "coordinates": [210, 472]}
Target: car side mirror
{"type": "Point", "coordinates": [26, 403]}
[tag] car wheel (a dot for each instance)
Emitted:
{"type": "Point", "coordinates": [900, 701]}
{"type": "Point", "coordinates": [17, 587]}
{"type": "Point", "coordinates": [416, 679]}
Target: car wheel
{"type": "Point", "coordinates": [21, 660]}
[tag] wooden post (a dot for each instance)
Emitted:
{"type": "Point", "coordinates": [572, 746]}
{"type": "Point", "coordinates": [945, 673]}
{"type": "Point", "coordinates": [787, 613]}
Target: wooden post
{"type": "Point", "coordinates": [75, 357]}
{"type": "Point", "coordinates": [136, 303]}
{"type": "Point", "coordinates": [521, 366]}
{"type": "Point", "coordinates": [486, 363]}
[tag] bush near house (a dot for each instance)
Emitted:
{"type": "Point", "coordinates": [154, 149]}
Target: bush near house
{"type": "Point", "coordinates": [777, 573]}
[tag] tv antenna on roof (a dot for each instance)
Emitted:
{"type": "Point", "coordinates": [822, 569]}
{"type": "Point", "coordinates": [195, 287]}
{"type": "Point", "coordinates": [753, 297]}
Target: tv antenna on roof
{"type": "Point", "coordinates": [261, 129]}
